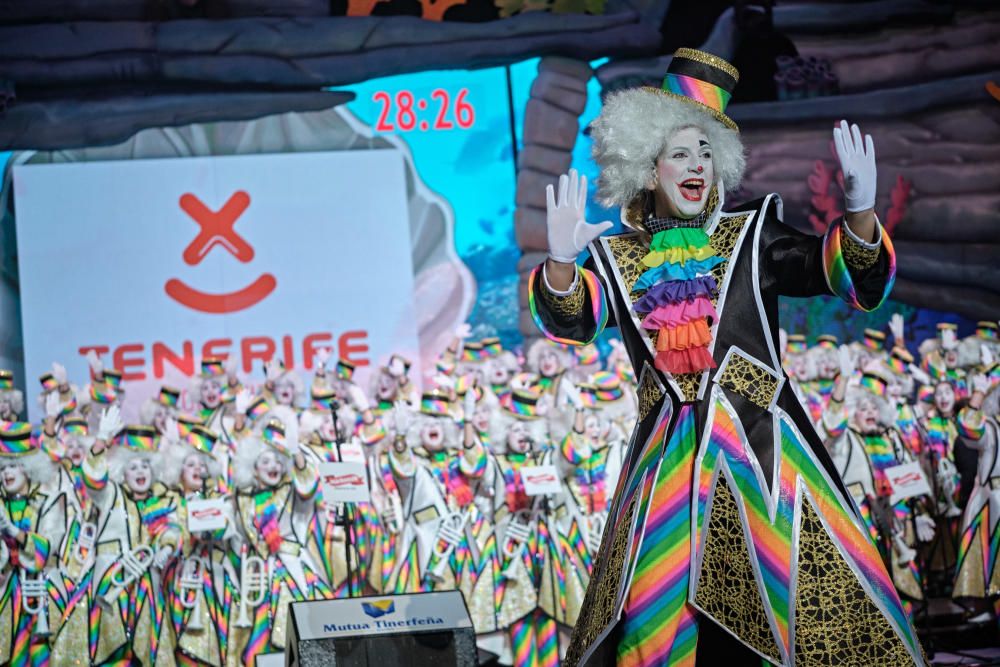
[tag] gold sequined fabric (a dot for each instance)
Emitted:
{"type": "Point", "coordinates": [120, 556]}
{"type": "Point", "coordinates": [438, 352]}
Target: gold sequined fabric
{"type": "Point", "coordinates": [836, 622]}
{"type": "Point", "coordinates": [969, 582]}
{"type": "Point", "coordinates": [856, 255]}
{"type": "Point", "coordinates": [600, 602]}
{"type": "Point", "coordinates": [727, 590]}
{"type": "Point", "coordinates": [649, 394]}
{"type": "Point", "coordinates": [568, 306]}
{"type": "Point", "coordinates": [748, 379]}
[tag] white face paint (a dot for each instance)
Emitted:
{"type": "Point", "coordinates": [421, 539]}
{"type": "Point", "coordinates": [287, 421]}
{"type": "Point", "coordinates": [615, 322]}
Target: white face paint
{"type": "Point", "coordinates": [951, 358]}
{"type": "Point", "coordinates": [549, 363]}
{"type": "Point", "coordinates": [497, 373]}
{"type": "Point", "coordinates": [15, 482]}
{"type": "Point", "coordinates": [944, 398]}
{"type": "Point", "coordinates": [385, 387]}
{"type": "Point", "coordinates": [684, 173]}
{"type": "Point", "coordinates": [269, 468]}
{"type": "Point", "coordinates": [481, 418]}
{"type": "Point", "coordinates": [326, 429]}
{"type": "Point", "coordinates": [432, 436]}
{"type": "Point", "coordinates": [517, 439]}
{"type": "Point", "coordinates": [592, 428]}
{"type": "Point", "coordinates": [193, 473]}
{"type": "Point", "coordinates": [284, 391]}
{"type": "Point", "coordinates": [160, 418]}
{"type": "Point", "coordinates": [866, 416]}
{"type": "Point", "coordinates": [6, 408]}
{"type": "Point", "coordinates": [798, 368]}
{"type": "Point", "coordinates": [211, 394]}
{"type": "Point", "coordinates": [76, 452]}
{"type": "Point", "coordinates": [138, 475]}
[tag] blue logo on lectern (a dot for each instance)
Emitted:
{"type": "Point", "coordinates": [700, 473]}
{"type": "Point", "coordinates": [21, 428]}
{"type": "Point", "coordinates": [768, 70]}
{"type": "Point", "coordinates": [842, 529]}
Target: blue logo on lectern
{"type": "Point", "coordinates": [379, 608]}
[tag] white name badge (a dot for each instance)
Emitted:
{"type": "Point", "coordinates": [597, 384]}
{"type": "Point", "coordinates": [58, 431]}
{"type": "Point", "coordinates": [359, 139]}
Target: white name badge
{"type": "Point", "coordinates": [206, 514]}
{"type": "Point", "coordinates": [344, 483]}
{"type": "Point", "coordinates": [907, 480]}
{"type": "Point", "coordinates": [540, 480]}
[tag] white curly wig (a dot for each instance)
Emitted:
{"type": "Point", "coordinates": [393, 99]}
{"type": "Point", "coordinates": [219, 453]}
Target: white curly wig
{"type": "Point", "coordinates": [501, 423]}
{"type": "Point", "coordinates": [37, 466]}
{"type": "Point", "coordinates": [172, 461]}
{"type": "Point", "coordinates": [16, 399]}
{"type": "Point", "coordinates": [541, 345]}
{"type": "Point", "coordinates": [245, 460]}
{"type": "Point", "coordinates": [451, 432]}
{"type": "Point", "coordinates": [632, 131]}
{"type": "Point", "coordinates": [856, 396]}
{"type": "Point", "coordinates": [120, 457]}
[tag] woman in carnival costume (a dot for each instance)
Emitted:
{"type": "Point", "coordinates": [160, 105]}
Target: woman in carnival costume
{"type": "Point", "coordinates": [824, 360]}
{"type": "Point", "coordinates": [32, 521]}
{"type": "Point", "coordinates": [977, 574]}
{"type": "Point", "coordinates": [11, 398]}
{"type": "Point", "coordinates": [275, 503]}
{"type": "Point", "coordinates": [161, 410]}
{"type": "Point", "coordinates": [549, 362]}
{"type": "Point", "coordinates": [698, 556]}
{"type": "Point", "coordinates": [138, 533]}
{"type": "Point", "coordinates": [869, 447]}
{"type": "Point", "coordinates": [214, 390]}
{"type": "Point", "coordinates": [203, 581]}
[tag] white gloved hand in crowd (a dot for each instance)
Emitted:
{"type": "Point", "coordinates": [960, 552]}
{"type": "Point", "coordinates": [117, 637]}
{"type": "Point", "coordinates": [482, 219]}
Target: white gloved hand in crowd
{"type": "Point", "coordinates": [52, 406]}
{"type": "Point", "coordinates": [444, 382]}
{"type": "Point", "coordinates": [925, 528]}
{"type": "Point", "coordinates": [896, 326]}
{"type": "Point", "coordinates": [95, 363]}
{"type": "Point", "coordinates": [463, 331]}
{"type": "Point", "coordinates": [59, 373]}
{"type": "Point", "coordinates": [322, 357]}
{"type": "Point", "coordinates": [980, 383]}
{"type": "Point", "coordinates": [358, 398]}
{"type": "Point", "coordinates": [568, 230]}
{"type": "Point", "coordinates": [948, 339]}
{"type": "Point", "coordinates": [242, 401]}
{"type": "Point", "coordinates": [469, 403]}
{"type": "Point", "coordinates": [171, 430]}
{"type": "Point", "coordinates": [7, 526]}
{"type": "Point", "coordinates": [401, 417]}
{"type": "Point", "coordinates": [782, 341]}
{"type": "Point", "coordinates": [396, 367]}
{"type": "Point", "coordinates": [846, 361]}
{"type": "Point", "coordinates": [986, 356]}
{"type": "Point", "coordinates": [109, 424]}
{"type": "Point", "coordinates": [232, 367]}
{"type": "Point", "coordinates": [272, 370]}
{"type": "Point", "coordinates": [857, 162]}
{"type": "Point", "coordinates": [569, 393]}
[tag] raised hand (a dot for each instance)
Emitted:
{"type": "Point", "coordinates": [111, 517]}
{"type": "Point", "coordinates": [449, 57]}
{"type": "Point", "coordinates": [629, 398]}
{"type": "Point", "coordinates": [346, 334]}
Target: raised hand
{"type": "Point", "coordinates": [986, 357]}
{"type": "Point", "coordinates": [52, 406]}
{"type": "Point", "coordinates": [846, 361]}
{"type": "Point", "coordinates": [59, 373]}
{"type": "Point", "coordinates": [323, 356]}
{"type": "Point", "coordinates": [109, 424]}
{"type": "Point", "coordinates": [857, 163]}
{"type": "Point", "coordinates": [358, 398]}
{"type": "Point", "coordinates": [96, 365]}
{"type": "Point", "coordinates": [568, 230]}
{"type": "Point", "coordinates": [896, 327]}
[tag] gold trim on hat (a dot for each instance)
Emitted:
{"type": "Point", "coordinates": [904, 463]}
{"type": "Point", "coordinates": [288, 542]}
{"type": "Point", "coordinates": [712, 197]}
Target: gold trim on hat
{"type": "Point", "coordinates": [718, 115]}
{"type": "Point", "coordinates": [710, 59]}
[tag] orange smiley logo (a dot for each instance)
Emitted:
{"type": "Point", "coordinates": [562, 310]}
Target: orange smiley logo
{"type": "Point", "coordinates": [216, 228]}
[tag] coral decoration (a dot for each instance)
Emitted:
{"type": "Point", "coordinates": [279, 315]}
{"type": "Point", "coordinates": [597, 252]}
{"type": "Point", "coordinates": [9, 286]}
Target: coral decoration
{"type": "Point", "coordinates": [434, 10]}
{"type": "Point", "coordinates": [993, 89]}
{"type": "Point", "coordinates": [361, 7]}
{"type": "Point", "coordinates": [826, 203]}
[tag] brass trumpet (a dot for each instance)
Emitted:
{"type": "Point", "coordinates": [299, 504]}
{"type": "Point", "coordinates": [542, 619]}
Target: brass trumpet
{"type": "Point", "coordinates": [253, 585]}
{"type": "Point", "coordinates": [133, 564]}
{"type": "Point", "coordinates": [34, 589]}
{"type": "Point", "coordinates": [191, 582]}
{"type": "Point", "coordinates": [515, 539]}
{"type": "Point", "coordinates": [83, 548]}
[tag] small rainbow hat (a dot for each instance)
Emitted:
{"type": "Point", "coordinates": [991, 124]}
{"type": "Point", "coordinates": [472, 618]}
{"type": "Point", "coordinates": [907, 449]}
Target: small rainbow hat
{"type": "Point", "coordinates": [345, 369]}
{"type": "Point", "coordinates": [521, 404]}
{"type": "Point", "coordinates": [874, 339]}
{"type": "Point", "coordinates": [473, 351]}
{"type": "Point", "coordinates": [899, 359]}
{"type": "Point", "coordinates": [213, 367]}
{"type": "Point", "coordinates": [435, 404]}
{"type": "Point", "coordinates": [6, 379]}
{"type": "Point", "coordinates": [322, 398]}
{"type": "Point", "coordinates": [874, 384]}
{"type": "Point", "coordinates": [273, 434]}
{"type": "Point", "coordinates": [113, 378]}
{"type": "Point", "coordinates": [827, 342]}
{"type": "Point", "coordinates": [491, 347]}
{"type": "Point", "coordinates": [258, 408]}
{"type": "Point", "coordinates": [75, 426]}
{"type": "Point", "coordinates": [48, 382]}
{"type": "Point", "coordinates": [796, 344]}
{"type": "Point", "coordinates": [168, 396]}
{"type": "Point", "coordinates": [202, 439]}
{"type": "Point", "coordinates": [138, 438]}
{"type": "Point", "coordinates": [987, 330]}
{"type": "Point", "coordinates": [701, 79]}
{"type": "Point", "coordinates": [17, 439]}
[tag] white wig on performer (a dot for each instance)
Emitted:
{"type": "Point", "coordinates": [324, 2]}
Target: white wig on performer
{"type": "Point", "coordinates": [19, 448]}
{"type": "Point", "coordinates": [278, 433]}
{"type": "Point", "coordinates": [872, 391]}
{"type": "Point", "coordinates": [434, 427]}
{"type": "Point", "coordinates": [175, 454]}
{"type": "Point", "coordinates": [541, 354]}
{"type": "Point", "coordinates": [134, 442]}
{"type": "Point", "coordinates": [633, 130]}
{"type": "Point", "coordinates": [522, 417]}
{"type": "Point", "coordinates": [11, 399]}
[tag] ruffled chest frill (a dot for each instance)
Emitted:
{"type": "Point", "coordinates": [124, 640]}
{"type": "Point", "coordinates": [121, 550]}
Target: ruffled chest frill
{"type": "Point", "coordinates": [679, 293]}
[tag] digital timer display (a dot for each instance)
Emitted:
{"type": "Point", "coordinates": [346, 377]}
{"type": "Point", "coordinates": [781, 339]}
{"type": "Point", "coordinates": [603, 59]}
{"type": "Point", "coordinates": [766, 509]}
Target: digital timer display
{"type": "Point", "coordinates": [404, 112]}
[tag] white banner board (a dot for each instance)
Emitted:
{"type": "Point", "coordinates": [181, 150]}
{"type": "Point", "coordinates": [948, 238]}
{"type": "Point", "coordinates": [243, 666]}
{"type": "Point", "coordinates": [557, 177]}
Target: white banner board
{"type": "Point", "coordinates": [155, 264]}
{"type": "Point", "coordinates": [540, 480]}
{"type": "Point", "coordinates": [344, 483]}
{"type": "Point", "coordinates": [907, 481]}
{"type": "Point", "coordinates": [206, 514]}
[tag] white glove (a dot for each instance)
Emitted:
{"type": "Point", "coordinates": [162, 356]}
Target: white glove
{"type": "Point", "coordinates": [401, 417]}
{"type": "Point", "coordinates": [948, 340]}
{"type": "Point", "coordinates": [980, 383]}
{"type": "Point", "coordinates": [323, 356]}
{"type": "Point", "coordinates": [272, 370]}
{"type": "Point", "coordinates": [52, 406]}
{"type": "Point", "coordinates": [242, 401]}
{"type": "Point", "coordinates": [162, 557]}
{"type": "Point", "coordinates": [463, 331]}
{"type": "Point", "coordinates": [7, 526]}
{"type": "Point", "coordinates": [96, 366]}
{"type": "Point", "coordinates": [918, 374]}
{"type": "Point", "coordinates": [444, 382]}
{"type": "Point", "coordinates": [857, 162]}
{"type": "Point", "coordinates": [925, 528]}
{"type": "Point", "coordinates": [986, 356]}
{"type": "Point", "coordinates": [846, 361]}
{"type": "Point", "coordinates": [59, 373]}
{"type": "Point", "coordinates": [896, 327]}
{"type": "Point", "coordinates": [570, 393]}
{"type": "Point", "coordinates": [568, 231]}
{"type": "Point", "coordinates": [109, 424]}
{"type": "Point", "coordinates": [171, 430]}
{"type": "Point", "coordinates": [782, 341]}
{"type": "Point", "coordinates": [469, 404]}
{"type": "Point", "coordinates": [396, 367]}
{"type": "Point", "coordinates": [357, 398]}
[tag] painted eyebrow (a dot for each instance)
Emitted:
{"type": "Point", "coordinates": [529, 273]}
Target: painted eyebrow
{"type": "Point", "coordinates": [702, 142]}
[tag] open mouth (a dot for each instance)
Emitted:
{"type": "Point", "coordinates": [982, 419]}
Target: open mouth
{"type": "Point", "coordinates": [140, 481]}
{"type": "Point", "coordinates": [692, 189]}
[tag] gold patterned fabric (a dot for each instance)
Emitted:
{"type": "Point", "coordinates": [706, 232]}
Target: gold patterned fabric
{"type": "Point", "coordinates": [570, 305]}
{"type": "Point", "coordinates": [649, 393]}
{"type": "Point", "coordinates": [749, 379]}
{"type": "Point", "coordinates": [836, 622]}
{"type": "Point", "coordinates": [727, 589]}
{"type": "Point", "coordinates": [856, 255]}
{"type": "Point", "coordinates": [601, 600]}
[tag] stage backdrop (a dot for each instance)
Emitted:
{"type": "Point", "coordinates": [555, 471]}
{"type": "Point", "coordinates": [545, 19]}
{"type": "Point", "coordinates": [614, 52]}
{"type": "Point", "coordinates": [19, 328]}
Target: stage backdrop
{"type": "Point", "coordinates": [157, 263]}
